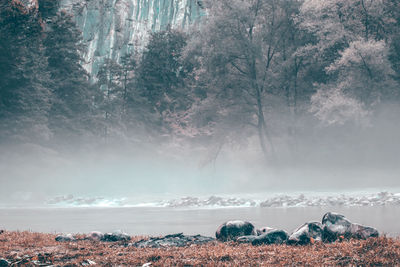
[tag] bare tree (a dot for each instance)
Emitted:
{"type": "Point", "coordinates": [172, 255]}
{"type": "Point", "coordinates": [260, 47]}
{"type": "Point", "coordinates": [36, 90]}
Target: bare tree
{"type": "Point", "coordinates": [240, 43]}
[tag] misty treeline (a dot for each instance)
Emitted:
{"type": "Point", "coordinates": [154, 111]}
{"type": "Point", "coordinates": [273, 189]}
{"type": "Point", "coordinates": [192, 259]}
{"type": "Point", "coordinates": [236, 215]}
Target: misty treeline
{"type": "Point", "coordinates": [250, 71]}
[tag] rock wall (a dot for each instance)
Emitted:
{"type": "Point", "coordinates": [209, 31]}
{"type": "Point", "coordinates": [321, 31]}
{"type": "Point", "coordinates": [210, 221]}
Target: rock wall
{"type": "Point", "coordinates": [112, 28]}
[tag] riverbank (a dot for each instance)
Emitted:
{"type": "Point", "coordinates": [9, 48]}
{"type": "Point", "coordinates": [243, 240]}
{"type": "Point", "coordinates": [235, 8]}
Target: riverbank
{"type": "Point", "coordinates": [38, 249]}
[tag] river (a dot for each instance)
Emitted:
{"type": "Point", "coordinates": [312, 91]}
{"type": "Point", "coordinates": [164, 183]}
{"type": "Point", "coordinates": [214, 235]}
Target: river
{"type": "Point", "coordinates": [160, 221]}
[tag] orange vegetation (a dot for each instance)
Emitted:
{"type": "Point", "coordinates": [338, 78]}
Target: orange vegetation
{"type": "Point", "coordinates": [30, 249]}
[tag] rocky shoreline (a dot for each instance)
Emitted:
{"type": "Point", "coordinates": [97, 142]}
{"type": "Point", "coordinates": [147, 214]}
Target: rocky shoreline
{"type": "Point", "coordinates": [348, 200]}
{"type": "Point", "coordinates": [333, 241]}
{"type": "Point", "coordinates": [378, 199]}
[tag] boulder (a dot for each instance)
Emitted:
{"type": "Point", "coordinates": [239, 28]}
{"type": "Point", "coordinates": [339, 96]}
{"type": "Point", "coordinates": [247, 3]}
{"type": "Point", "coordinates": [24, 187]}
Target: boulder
{"type": "Point", "coordinates": [264, 230]}
{"type": "Point", "coordinates": [334, 226]}
{"type": "Point", "coordinates": [1, 231]}
{"type": "Point", "coordinates": [337, 226]}
{"type": "Point", "coordinates": [246, 238]}
{"type": "Point", "coordinates": [4, 263]}
{"type": "Point", "coordinates": [65, 238]}
{"type": "Point", "coordinates": [95, 236]}
{"type": "Point", "coordinates": [359, 231]}
{"type": "Point", "coordinates": [233, 229]}
{"type": "Point", "coordinates": [306, 234]}
{"type": "Point", "coordinates": [271, 237]}
{"type": "Point", "coordinates": [116, 237]}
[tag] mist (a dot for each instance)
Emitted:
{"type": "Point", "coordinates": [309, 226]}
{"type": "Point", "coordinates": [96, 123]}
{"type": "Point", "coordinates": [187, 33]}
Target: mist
{"type": "Point", "coordinates": [325, 159]}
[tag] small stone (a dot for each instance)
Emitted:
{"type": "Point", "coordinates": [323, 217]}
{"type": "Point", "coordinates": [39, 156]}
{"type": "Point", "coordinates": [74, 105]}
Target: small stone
{"type": "Point", "coordinates": [95, 236]}
{"type": "Point", "coordinates": [88, 263]}
{"type": "Point", "coordinates": [4, 263]}
{"type": "Point", "coordinates": [116, 236]}
{"type": "Point", "coordinates": [65, 238]}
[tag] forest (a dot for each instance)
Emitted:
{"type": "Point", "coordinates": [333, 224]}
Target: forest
{"type": "Point", "coordinates": [279, 75]}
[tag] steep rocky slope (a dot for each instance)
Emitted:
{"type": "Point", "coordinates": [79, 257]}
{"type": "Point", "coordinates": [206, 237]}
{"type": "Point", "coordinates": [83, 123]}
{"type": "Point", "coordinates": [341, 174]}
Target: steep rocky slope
{"type": "Point", "coordinates": [112, 28]}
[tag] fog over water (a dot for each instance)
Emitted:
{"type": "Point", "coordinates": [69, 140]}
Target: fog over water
{"type": "Point", "coordinates": [325, 163]}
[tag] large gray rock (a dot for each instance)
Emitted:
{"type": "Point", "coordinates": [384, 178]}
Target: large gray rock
{"type": "Point", "coordinates": [231, 230]}
{"type": "Point", "coordinates": [337, 226]}
{"type": "Point", "coordinates": [116, 237]}
{"type": "Point", "coordinates": [176, 240]}
{"type": "Point", "coordinates": [246, 238]}
{"type": "Point", "coordinates": [359, 231]}
{"type": "Point", "coordinates": [306, 234]}
{"type": "Point", "coordinates": [65, 238]}
{"type": "Point", "coordinates": [265, 236]}
{"type": "Point", "coordinates": [264, 230]}
{"type": "Point", "coordinates": [271, 237]}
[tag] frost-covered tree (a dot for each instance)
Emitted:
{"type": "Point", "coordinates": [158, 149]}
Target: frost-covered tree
{"type": "Point", "coordinates": [351, 42]}
{"type": "Point", "coordinates": [241, 46]}
{"type": "Point", "coordinates": [364, 71]}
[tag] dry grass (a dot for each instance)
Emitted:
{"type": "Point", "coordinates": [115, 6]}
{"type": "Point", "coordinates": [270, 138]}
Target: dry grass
{"type": "Point", "coordinates": [27, 247]}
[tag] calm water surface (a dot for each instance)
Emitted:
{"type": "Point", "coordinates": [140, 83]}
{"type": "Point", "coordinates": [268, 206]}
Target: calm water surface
{"type": "Point", "coordinates": [161, 221]}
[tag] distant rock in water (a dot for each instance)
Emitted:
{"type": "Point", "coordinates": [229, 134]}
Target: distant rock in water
{"type": "Point", "coordinates": [212, 201]}
{"type": "Point", "coordinates": [306, 234]}
{"type": "Point", "coordinates": [176, 240]}
{"type": "Point", "coordinates": [233, 229]}
{"type": "Point", "coordinates": [337, 226]}
{"type": "Point", "coordinates": [343, 200]}
{"type": "Point", "coordinates": [65, 238]}
{"type": "Point", "coordinates": [116, 237]}
{"type": "Point", "coordinates": [301, 200]}
{"type": "Point", "coordinates": [72, 201]}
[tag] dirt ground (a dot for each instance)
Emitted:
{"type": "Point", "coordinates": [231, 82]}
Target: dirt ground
{"type": "Point", "coordinates": [36, 249]}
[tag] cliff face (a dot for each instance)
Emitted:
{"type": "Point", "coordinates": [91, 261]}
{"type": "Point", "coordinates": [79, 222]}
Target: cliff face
{"type": "Point", "coordinates": [112, 28]}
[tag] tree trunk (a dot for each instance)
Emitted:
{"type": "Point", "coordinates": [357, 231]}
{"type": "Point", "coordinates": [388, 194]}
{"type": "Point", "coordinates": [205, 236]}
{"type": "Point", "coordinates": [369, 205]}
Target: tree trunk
{"type": "Point", "coordinates": [263, 133]}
